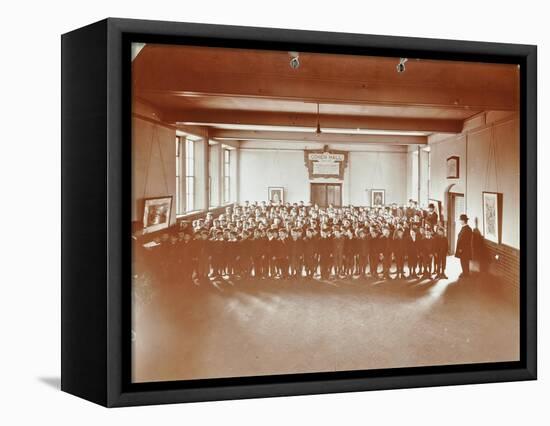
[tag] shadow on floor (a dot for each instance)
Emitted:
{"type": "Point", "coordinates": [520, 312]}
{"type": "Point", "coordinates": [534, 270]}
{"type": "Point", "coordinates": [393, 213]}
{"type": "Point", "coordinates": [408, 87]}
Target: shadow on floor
{"type": "Point", "coordinates": [53, 382]}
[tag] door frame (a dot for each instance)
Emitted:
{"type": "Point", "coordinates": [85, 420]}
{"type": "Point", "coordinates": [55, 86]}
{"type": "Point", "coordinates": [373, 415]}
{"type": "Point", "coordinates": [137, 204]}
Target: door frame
{"type": "Point", "coordinates": [311, 184]}
{"type": "Point", "coordinates": [451, 219]}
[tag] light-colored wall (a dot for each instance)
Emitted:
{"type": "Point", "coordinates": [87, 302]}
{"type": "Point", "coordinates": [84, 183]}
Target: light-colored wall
{"type": "Point", "coordinates": [369, 169]}
{"type": "Point", "coordinates": [153, 164]}
{"type": "Point", "coordinates": [260, 169]}
{"type": "Point", "coordinates": [377, 170]}
{"type": "Point", "coordinates": [483, 169]}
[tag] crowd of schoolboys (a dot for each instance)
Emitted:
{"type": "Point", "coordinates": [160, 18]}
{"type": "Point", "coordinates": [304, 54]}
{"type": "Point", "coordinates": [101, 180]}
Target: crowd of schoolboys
{"type": "Point", "coordinates": [296, 241]}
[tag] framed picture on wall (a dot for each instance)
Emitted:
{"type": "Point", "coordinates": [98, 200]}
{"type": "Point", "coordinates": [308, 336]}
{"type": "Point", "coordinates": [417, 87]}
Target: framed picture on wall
{"type": "Point", "coordinates": [492, 202]}
{"type": "Point", "coordinates": [156, 213]}
{"type": "Point", "coordinates": [453, 167]}
{"type": "Point", "coordinates": [275, 194]}
{"type": "Point", "coordinates": [377, 197]}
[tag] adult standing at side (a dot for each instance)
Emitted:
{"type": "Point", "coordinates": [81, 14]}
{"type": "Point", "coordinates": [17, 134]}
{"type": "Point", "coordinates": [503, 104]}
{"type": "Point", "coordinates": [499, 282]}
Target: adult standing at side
{"type": "Point", "coordinates": [464, 245]}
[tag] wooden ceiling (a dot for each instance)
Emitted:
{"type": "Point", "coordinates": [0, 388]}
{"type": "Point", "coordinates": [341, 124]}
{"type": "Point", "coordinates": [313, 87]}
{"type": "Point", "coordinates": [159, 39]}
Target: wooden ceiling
{"type": "Point", "coordinates": [218, 88]}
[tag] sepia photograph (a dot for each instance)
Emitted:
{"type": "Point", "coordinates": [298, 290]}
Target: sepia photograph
{"type": "Point", "coordinates": [491, 216]}
{"type": "Point", "coordinates": [259, 245]}
{"type": "Point", "coordinates": [156, 213]}
{"type": "Point", "coordinates": [377, 197]}
{"type": "Point", "coordinates": [453, 167]}
{"type": "Point", "coordinates": [275, 195]}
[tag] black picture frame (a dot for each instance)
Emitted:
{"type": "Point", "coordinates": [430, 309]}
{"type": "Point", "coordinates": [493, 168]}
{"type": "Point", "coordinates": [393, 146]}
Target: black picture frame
{"type": "Point", "coordinates": [96, 226]}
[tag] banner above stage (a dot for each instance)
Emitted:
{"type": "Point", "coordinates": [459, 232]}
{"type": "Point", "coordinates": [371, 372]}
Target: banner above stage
{"type": "Point", "coordinates": [326, 163]}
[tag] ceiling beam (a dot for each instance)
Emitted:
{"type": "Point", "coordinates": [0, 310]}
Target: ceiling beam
{"type": "Point", "coordinates": [329, 138]}
{"type": "Point", "coordinates": [329, 91]}
{"type": "Point", "coordinates": [265, 118]}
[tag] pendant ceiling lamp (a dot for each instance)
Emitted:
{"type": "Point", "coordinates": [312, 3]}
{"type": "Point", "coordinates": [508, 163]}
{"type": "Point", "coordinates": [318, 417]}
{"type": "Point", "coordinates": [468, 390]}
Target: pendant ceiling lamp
{"type": "Point", "coordinates": [318, 130]}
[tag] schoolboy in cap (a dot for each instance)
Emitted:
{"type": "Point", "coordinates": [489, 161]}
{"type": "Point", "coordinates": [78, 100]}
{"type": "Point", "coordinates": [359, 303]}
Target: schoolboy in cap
{"type": "Point", "coordinates": [431, 217]}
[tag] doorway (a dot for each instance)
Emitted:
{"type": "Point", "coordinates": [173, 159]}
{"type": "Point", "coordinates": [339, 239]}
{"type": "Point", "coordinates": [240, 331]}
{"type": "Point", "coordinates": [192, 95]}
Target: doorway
{"type": "Point", "coordinates": [456, 208]}
{"type": "Point", "coordinates": [324, 194]}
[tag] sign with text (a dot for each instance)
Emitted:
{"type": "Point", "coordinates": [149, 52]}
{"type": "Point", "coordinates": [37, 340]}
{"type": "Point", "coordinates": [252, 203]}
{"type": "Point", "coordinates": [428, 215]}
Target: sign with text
{"type": "Point", "coordinates": [326, 164]}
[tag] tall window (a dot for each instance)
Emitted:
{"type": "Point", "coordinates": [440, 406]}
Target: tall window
{"type": "Point", "coordinates": [178, 176]}
{"type": "Point", "coordinates": [226, 175]}
{"type": "Point", "coordinates": [185, 175]}
{"type": "Point", "coordinates": [211, 164]}
{"type": "Point", "coordinates": [189, 175]}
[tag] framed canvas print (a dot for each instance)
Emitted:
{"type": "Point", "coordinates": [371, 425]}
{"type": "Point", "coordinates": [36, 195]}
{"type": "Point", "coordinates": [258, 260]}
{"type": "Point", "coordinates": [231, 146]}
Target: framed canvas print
{"type": "Point", "coordinates": [156, 213]}
{"type": "Point", "coordinates": [275, 194]}
{"type": "Point", "coordinates": [453, 167]}
{"type": "Point", "coordinates": [377, 197]}
{"type": "Point", "coordinates": [491, 216]}
{"type": "Point", "coordinates": [184, 280]}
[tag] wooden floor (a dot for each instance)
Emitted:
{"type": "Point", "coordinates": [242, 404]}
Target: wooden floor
{"type": "Point", "coordinates": [249, 327]}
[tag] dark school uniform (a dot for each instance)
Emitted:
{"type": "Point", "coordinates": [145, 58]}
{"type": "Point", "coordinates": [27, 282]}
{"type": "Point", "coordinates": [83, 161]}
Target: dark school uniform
{"type": "Point", "coordinates": [374, 254]}
{"type": "Point", "coordinates": [325, 256]}
{"type": "Point", "coordinates": [281, 256]}
{"type": "Point", "coordinates": [310, 256]}
{"type": "Point", "coordinates": [431, 218]}
{"type": "Point", "coordinates": [186, 249]}
{"type": "Point", "coordinates": [441, 247]}
{"type": "Point", "coordinates": [203, 258]}
{"type": "Point", "coordinates": [363, 254]}
{"type": "Point", "coordinates": [385, 244]}
{"type": "Point", "coordinates": [259, 252]}
{"type": "Point", "coordinates": [271, 253]}
{"type": "Point", "coordinates": [232, 256]}
{"type": "Point", "coordinates": [245, 257]}
{"type": "Point", "coordinates": [428, 254]}
{"type": "Point", "coordinates": [218, 248]}
{"type": "Point", "coordinates": [412, 254]}
{"type": "Point", "coordinates": [338, 254]}
{"type": "Point", "coordinates": [399, 252]}
{"type": "Point", "coordinates": [420, 247]}
{"type": "Point", "coordinates": [349, 254]}
{"type": "Point", "coordinates": [296, 253]}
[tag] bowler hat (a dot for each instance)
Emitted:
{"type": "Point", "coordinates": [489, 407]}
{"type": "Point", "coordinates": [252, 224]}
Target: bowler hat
{"type": "Point", "coordinates": [463, 217]}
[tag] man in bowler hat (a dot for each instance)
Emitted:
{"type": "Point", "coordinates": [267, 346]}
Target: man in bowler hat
{"type": "Point", "coordinates": [464, 245]}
